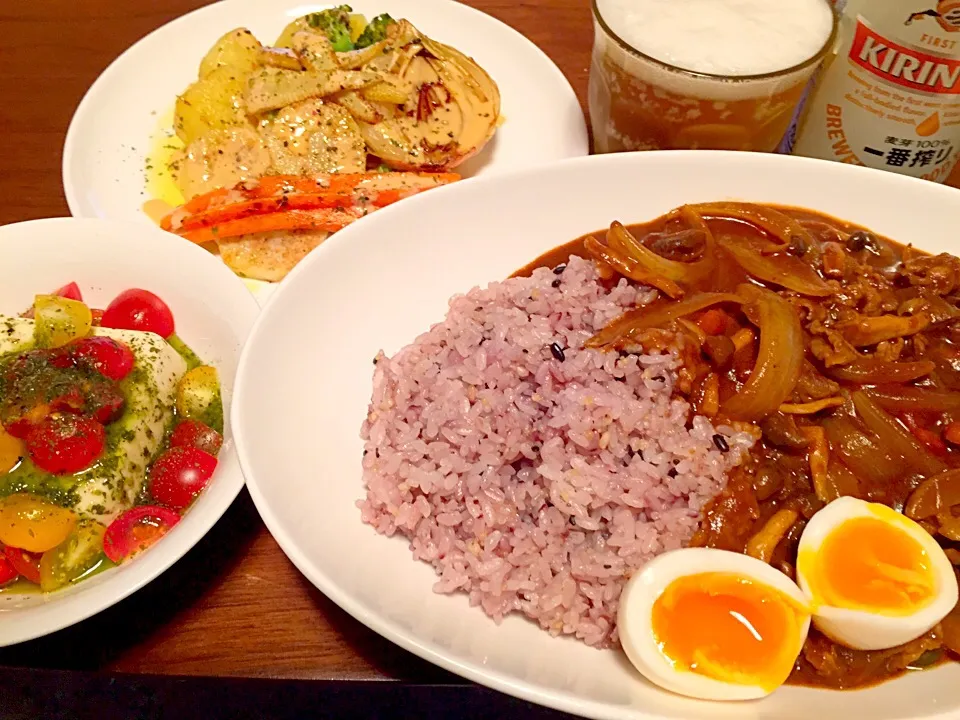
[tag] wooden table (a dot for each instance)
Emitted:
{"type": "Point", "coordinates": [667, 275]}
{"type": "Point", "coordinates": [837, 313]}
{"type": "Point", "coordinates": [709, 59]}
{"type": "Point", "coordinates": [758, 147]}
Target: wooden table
{"type": "Point", "coordinates": [233, 606]}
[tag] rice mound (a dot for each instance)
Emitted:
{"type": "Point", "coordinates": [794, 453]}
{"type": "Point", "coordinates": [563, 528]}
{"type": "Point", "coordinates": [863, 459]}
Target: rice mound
{"type": "Point", "coordinates": [536, 477]}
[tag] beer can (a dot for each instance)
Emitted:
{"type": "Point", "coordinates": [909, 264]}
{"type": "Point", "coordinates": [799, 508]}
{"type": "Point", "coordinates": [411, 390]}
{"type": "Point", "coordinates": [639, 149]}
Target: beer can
{"type": "Point", "coordinates": [888, 96]}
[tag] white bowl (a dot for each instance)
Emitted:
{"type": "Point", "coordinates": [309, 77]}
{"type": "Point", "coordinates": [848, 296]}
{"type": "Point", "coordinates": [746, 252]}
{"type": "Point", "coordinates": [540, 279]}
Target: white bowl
{"type": "Point", "coordinates": [382, 282]}
{"type": "Point", "coordinates": [117, 125]}
{"type": "Point", "coordinates": [213, 312]}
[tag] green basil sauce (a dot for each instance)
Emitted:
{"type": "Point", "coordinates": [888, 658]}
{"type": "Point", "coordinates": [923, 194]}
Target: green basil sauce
{"type": "Point", "coordinates": [62, 490]}
{"type": "Point", "coordinates": [189, 356]}
{"type": "Point", "coordinates": [43, 383]}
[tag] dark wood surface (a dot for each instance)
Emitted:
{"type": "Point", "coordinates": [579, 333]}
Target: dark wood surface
{"type": "Point", "coordinates": [234, 606]}
{"type": "Point", "coordinates": [69, 695]}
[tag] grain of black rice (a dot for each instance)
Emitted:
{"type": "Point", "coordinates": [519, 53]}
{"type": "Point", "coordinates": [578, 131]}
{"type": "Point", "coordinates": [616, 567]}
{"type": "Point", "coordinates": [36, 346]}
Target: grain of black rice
{"type": "Point", "coordinates": [557, 352]}
{"type": "Point", "coordinates": [555, 283]}
{"type": "Point", "coordinates": [721, 442]}
{"type": "Point", "coordinates": [559, 269]}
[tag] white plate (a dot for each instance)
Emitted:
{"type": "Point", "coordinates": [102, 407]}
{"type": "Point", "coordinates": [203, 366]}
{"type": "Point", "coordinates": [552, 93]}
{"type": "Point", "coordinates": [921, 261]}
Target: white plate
{"type": "Point", "coordinates": [382, 282]}
{"type": "Point", "coordinates": [213, 312]}
{"type": "Point", "coordinates": [110, 137]}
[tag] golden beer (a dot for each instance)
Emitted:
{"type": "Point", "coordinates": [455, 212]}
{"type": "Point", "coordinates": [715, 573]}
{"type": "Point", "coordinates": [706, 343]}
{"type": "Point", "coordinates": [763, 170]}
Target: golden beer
{"type": "Point", "coordinates": [641, 102]}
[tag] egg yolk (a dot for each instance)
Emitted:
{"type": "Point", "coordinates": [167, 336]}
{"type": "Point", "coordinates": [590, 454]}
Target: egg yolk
{"type": "Point", "coordinates": [729, 628]}
{"type": "Point", "coordinates": [869, 563]}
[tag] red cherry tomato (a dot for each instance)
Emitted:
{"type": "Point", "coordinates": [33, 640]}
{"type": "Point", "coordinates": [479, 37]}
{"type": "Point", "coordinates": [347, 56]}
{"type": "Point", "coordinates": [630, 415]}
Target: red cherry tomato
{"type": "Point", "coordinates": [179, 475]}
{"type": "Point", "coordinates": [8, 573]}
{"type": "Point", "coordinates": [19, 427]}
{"type": "Point", "coordinates": [25, 563]}
{"type": "Point", "coordinates": [139, 310]}
{"type": "Point", "coordinates": [60, 358]}
{"type": "Point", "coordinates": [71, 291]}
{"type": "Point", "coordinates": [193, 433]}
{"type": "Point", "coordinates": [136, 530]}
{"type": "Point", "coordinates": [105, 403]}
{"type": "Point", "coordinates": [108, 356]}
{"type": "Point", "coordinates": [63, 444]}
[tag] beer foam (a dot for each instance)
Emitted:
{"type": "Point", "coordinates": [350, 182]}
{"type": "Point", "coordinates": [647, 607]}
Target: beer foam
{"type": "Point", "coordinates": [732, 38]}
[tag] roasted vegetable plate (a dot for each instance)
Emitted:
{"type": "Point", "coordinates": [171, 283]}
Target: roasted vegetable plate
{"type": "Point", "coordinates": [274, 147]}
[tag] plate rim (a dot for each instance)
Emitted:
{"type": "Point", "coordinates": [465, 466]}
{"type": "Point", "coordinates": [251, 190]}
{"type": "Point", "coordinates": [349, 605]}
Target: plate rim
{"type": "Point", "coordinates": [73, 194]}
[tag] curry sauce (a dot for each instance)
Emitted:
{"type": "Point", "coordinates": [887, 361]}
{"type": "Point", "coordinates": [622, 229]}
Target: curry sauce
{"type": "Point", "coordinates": [869, 398]}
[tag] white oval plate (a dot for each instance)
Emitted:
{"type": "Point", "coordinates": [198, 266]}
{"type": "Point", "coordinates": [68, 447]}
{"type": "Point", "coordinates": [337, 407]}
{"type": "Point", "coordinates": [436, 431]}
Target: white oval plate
{"type": "Point", "coordinates": [380, 283]}
{"type": "Point", "coordinates": [213, 312]}
{"type": "Point", "coordinates": [112, 132]}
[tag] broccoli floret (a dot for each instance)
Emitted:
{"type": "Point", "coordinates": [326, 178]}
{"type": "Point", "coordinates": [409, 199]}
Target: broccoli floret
{"type": "Point", "coordinates": [375, 31]}
{"type": "Point", "coordinates": [335, 23]}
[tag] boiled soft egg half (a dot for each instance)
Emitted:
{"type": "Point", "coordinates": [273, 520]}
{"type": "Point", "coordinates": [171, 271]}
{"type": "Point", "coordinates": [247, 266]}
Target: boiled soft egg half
{"type": "Point", "coordinates": [875, 578]}
{"type": "Point", "coordinates": [713, 624]}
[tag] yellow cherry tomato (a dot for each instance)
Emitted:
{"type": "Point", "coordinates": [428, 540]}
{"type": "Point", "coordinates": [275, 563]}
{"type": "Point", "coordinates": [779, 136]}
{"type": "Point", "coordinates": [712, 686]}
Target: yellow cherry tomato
{"type": "Point", "coordinates": [59, 320]}
{"type": "Point", "coordinates": [79, 554]}
{"type": "Point", "coordinates": [33, 524]}
{"type": "Point", "coordinates": [11, 450]}
{"type": "Point", "coordinates": [198, 397]}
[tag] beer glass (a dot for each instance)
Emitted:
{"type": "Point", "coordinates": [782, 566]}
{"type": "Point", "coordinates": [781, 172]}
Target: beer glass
{"type": "Point", "coordinates": [638, 102]}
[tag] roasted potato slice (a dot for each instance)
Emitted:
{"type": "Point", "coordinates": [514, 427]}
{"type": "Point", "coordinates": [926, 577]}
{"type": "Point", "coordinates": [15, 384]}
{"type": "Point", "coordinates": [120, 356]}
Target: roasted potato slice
{"type": "Point", "coordinates": [211, 103]}
{"type": "Point", "coordinates": [314, 137]}
{"type": "Point", "coordinates": [271, 255]}
{"type": "Point", "coordinates": [238, 49]}
{"type": "Point", "coordinates": [219, 158]}
{"type": "Point", "coordinates": [301, 24]}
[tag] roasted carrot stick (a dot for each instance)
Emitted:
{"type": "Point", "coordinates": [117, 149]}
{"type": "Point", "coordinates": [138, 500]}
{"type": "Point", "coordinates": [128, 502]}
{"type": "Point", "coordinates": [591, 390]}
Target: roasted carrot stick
{"type": "Point", "coordinates": [333, 182]}
{"type": "Point", "coordinates": [328, 219]}
{"type": "Point", "coordinates": [274, 192]}
{"type": "Point", "coordinates": [261, 206]}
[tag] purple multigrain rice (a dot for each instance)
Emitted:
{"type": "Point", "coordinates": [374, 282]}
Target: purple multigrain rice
{"type": "Point", "coordinates": [530, 485]}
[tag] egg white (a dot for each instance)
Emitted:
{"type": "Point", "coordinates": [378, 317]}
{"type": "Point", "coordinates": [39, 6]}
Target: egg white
{"type": "Point", "coordinates": [636, 607]}
{"type": "Point", "coordinates": [873, 630]}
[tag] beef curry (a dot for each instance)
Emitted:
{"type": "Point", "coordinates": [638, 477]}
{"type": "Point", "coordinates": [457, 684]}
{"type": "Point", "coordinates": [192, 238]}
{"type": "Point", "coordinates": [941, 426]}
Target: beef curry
{"type": "Point", "coordinates": [839, 349]}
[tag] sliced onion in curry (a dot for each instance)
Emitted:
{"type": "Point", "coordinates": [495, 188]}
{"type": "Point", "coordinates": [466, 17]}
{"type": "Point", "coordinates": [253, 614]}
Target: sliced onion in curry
{"type": "Point", "coordinates": [779, 359]}
{"type": "Point", "coordinates": [631, 323]}
{"type": "Point", "coordinates": [840, 482]}
{"type": "Point", "coordinates": [895, 437]}
{"type": "Point", "coordinates": [935, 498]}
{"type": "Point", "coordinates": [782, 269]}
{"type": "Point", "coordinates": [689, 273]}
{"type": "Point", "coordinates": [628, 267]}
{"type": "Point", "coordinates": [913, 399]}
{"type": "Point", "coordinates": [860, 452]}
{"type": "Point", "coordinates": [869, 371]}
{"type": "Point", "coordinates": [784, 228]}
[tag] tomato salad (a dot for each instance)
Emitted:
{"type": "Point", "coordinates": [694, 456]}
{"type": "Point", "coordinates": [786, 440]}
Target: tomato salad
{"type": "Point", "coordinates": [110, 428]}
